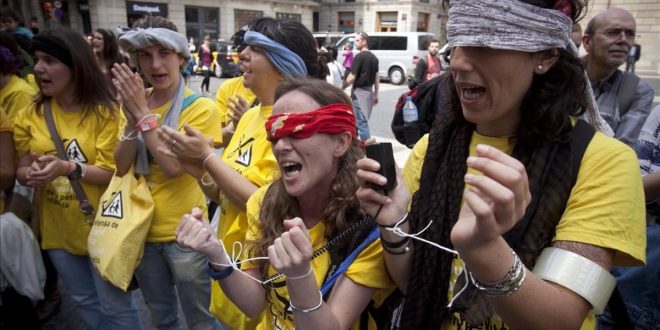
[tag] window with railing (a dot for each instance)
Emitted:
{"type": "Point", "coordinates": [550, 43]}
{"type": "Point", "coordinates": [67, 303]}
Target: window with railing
{"type": "Point", "coordinates": [289, 16]}
{"type": "Point", "coordinates": [346, 21]}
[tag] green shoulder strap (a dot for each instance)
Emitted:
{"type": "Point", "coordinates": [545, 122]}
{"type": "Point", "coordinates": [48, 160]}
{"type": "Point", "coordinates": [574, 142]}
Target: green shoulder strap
{"type": "Point", "coordinates": [188, 100]}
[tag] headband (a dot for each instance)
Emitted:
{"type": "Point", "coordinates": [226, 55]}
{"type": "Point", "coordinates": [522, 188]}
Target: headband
{"type": "Point", "coordinates": [333, 118]}
{"type": "Point", "coordinates": [8, 57]}
{"type": "Point", "coordinates": [515, 25]}
{"type": "Point", "coordinates": [507, 24]}
{"type": "Point", "coordinates": [54, 47]}
{"type": "Point", "coordinates": [134, 40]}
{"type": "Point", "coordinates": [288, 63]}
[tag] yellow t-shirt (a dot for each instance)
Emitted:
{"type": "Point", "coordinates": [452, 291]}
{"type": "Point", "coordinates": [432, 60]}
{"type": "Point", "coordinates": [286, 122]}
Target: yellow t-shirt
{"type": "Point", "coordinates": [32, 81]}
{"type": "Point", "coordinates": [173, 197]}
{"type": "Point", "coordinates": [91, 142]}
{"type": "Point", "coordinates": [231, 88]}
{"type": "Point", "coordinates": [250, 154]}
{"type": "Point", "coordinates": [5, 127]}
{"type": "Point", "coordinates": [5, 123]}
{"type": "Point", "coordinates": [367, 269]}
{"type": "Point", "coordinates": [16, 96]}
{"type": "Point", "coordinates": [605, 208]}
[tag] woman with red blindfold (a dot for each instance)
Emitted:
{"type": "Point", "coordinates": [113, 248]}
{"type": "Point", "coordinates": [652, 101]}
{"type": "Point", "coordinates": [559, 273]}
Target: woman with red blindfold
{"type": "Point", "coordinates": [307, 222]}
{"type": "Point", "coordinates": [277, 51]}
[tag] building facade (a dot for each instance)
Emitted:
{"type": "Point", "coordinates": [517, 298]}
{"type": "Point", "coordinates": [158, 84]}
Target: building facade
{"type": "Point", "coordinates": [220, 19]}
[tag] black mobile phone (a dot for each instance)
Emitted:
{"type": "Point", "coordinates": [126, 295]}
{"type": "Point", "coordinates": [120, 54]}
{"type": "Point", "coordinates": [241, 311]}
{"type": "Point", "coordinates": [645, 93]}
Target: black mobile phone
{"type": "Point", "coordinates": [382, 153]}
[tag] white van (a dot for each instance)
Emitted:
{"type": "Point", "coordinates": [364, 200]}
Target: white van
{"type": "Point", "coordinates": [324, 38]}
{"type": "Point", "coordinates": [397, 52]}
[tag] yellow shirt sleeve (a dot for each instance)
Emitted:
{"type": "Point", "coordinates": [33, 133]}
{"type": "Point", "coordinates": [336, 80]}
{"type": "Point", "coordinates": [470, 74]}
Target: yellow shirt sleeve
{"type": "Point", "coordinates": [231, 88]}
{"type": "Point", "coordinates": [16, 96]}
{"type": "Point", "coordinates": [203, 115]}
{"type": "Point", "coordinates": [5, 123]}
{"type": "Point", "coordinates": [606, 207]}
{"type": "Point", "coordinates": [106, 143]}
{"type": "Point", "coordinates": [23, 124]}
{"type": "Point", "coordinates": [412, 170]}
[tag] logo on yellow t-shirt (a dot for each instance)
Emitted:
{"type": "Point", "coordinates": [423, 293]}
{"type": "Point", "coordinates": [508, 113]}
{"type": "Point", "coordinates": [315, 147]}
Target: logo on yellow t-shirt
{"type": "Point", "coordinates": [245, 158]}
{"type": "Point", "coordinates": [75, 153]}
{"type": "Point", "coordinates": [115, 208]}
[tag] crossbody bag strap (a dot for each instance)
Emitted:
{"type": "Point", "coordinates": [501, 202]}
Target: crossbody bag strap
{"type": "Point", "coordinates": [85, 207]}
{"type": "Point", "coordinates": [330, 281]}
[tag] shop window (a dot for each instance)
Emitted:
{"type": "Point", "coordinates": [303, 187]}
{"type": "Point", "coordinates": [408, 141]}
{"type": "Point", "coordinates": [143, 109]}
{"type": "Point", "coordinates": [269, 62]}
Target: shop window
{"type": "Point", "coordinates": [202, 21]}
{"type": "Point", "coordinates": [243, 17]}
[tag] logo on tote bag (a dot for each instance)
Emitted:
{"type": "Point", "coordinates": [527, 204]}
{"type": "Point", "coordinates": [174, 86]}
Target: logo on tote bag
{"type": "Point", "coordinates": [115, 208]}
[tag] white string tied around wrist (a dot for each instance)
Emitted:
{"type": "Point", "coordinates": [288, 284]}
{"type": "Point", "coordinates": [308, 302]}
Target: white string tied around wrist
{"type": "Point", "coordinates": [399, 232]}
{"type": "Point", "coordinates": [132, 135]}
{"type": "Point", "coordinates": [234, 262]}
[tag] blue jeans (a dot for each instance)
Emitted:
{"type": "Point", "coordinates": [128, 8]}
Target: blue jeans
{"type": "Point", "coordinates": [640, 287]}
{"type": "Point", "coordinates": [101, 305]}
{"type": "Point", "coordinates": [362, 122]}
{"type": "Point", "coordinates": [169, 274]}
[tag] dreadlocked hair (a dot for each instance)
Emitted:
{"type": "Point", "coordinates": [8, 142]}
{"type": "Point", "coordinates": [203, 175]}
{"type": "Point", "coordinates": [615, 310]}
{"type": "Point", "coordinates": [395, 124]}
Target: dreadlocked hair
{"type": "Point", "coordinates": [342, 210]}
{"type": "Point", "coordinates": [443, 169]}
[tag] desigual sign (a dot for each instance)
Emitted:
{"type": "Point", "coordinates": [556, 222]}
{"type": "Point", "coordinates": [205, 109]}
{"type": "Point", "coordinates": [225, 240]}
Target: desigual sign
{"type": "Point", "coordinates": [146, 8]}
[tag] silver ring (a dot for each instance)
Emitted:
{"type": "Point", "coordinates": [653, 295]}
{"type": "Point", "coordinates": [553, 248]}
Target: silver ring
{"type": "Point", "coordinates": [173, 144]}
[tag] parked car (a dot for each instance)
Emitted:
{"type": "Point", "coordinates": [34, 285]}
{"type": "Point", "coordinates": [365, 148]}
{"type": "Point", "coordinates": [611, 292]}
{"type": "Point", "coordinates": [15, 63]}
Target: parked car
{"type": "Point", "coordinates": [225, 61]}
{"type": "Point", "coordinates": [397, 52]}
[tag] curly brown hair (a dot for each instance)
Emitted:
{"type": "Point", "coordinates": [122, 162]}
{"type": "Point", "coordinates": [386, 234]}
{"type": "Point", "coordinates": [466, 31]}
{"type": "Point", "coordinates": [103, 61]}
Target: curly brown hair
{"type": "Point", "coordinates": [343, 208]}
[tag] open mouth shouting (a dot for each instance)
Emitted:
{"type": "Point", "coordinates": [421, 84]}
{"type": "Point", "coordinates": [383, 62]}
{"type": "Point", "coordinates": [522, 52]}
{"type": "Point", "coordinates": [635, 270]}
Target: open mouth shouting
{"type": "Point", "coordinates": [470, 93]}
{"type": "Point", "coordinates": [291, 169]}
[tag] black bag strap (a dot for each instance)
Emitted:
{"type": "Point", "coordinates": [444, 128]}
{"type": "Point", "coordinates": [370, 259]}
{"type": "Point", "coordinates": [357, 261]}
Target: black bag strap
{"type": "Point", "coordinates": [627, 92]}
{"type": "Point", "coordinates": [581, 135]}
{"type": "Point", "coordinates": [85, 207]}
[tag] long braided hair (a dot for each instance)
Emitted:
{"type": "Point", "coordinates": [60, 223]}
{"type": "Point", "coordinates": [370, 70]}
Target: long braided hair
{"type": "Point", "coordinates": [543, 146]}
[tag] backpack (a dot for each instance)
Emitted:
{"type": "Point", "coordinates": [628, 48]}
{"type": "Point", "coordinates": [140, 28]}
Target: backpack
{"type": "Point", "coordinates": [424, 97]}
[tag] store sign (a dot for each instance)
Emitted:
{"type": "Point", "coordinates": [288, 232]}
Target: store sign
{"type": "Point", "coordinates": [146, 8]}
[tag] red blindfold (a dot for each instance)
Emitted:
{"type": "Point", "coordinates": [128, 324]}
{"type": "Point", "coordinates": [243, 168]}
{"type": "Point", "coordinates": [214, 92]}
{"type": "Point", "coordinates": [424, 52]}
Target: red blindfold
{"type": "Point", "coordinates": [331, 119]}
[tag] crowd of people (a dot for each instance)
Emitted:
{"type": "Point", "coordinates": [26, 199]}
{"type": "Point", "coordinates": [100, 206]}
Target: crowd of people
{"type": "Point", "coordinates": [530, 203]}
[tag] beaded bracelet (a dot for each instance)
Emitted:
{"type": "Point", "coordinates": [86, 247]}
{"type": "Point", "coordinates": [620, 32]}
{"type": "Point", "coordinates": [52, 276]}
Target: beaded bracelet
{"type": "Point", "coordinates": [308, 310]}
{"type": "Point", "coordinates": [511, 282]}
{"type": "Point", "coordinates": [394, 245]}
{"type": "Point", "coordinates": [390, 246]}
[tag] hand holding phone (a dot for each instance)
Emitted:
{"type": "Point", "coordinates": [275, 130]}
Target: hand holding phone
{"type": "Point", "coordinates": [382, 153]}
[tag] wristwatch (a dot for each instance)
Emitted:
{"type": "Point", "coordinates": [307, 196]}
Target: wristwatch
{"type": "Point", "coordinates": [76, 174]}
